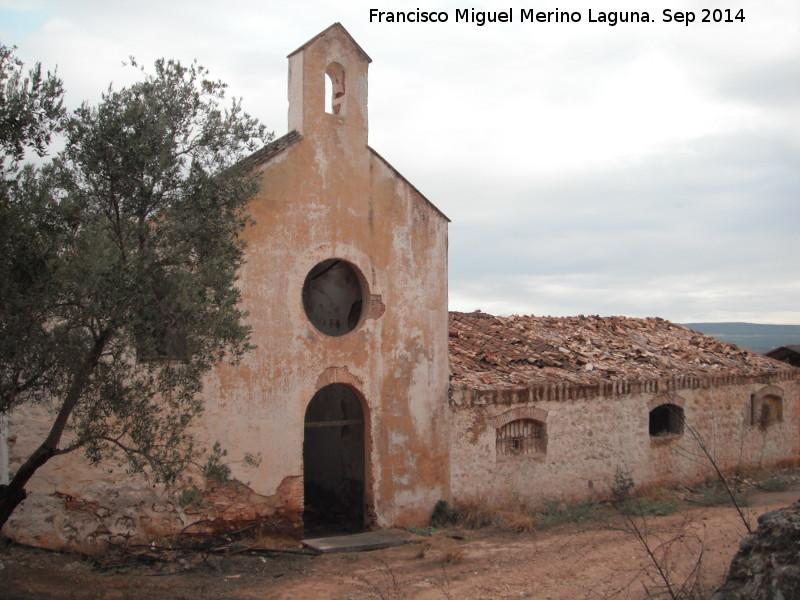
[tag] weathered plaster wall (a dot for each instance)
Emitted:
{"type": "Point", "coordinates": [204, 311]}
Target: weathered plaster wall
{"type": "Point", "coordinates": [588, 439]}
{"type": "Point", "coordinates": [70, 503]}
{"type": "Point", "coordinates": [330, 196]}
{"type": "Point", "coordinates": [327, 195]}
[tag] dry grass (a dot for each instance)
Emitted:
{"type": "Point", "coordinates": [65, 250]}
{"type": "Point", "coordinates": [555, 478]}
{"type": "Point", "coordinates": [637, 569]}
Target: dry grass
{"type": "Point", "coordinates": [508, 514]}
{"type": "Point", "coordinates": [446, 549]}
{"type": "Point", "coordinates": [656, 492]}
{"type": "Point", "coordinates": [651, 499]}
{"type": "Point", "coordinates": [453, 553]}
{"type": "Point", "coordinates": [475, 514]}
{"type": "Point", "coordinates": [516, 522]}
{"type": "Point", "coordinates": [516, 514]}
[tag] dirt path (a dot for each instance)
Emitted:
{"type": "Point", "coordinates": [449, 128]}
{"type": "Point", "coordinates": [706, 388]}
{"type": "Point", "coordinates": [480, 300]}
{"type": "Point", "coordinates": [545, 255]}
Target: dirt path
{"type": "Point", "coordinates": [597, 561]}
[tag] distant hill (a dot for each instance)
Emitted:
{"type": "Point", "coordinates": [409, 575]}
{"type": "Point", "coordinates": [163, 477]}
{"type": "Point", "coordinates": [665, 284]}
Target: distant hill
{"type": "Point", "coordinates": [753, 336]}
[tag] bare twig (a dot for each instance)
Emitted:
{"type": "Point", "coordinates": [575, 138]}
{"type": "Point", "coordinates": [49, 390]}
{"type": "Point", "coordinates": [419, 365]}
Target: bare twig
{"type": "Point", "coordinates": [721, 477]}
{"type": "Point", "coordinates": [661, 551]}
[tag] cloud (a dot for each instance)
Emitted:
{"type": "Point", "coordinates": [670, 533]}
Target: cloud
{"type": "Point", "coordinates": [721, 215]}
{"type": "Point", "coordinates": [642, 169]}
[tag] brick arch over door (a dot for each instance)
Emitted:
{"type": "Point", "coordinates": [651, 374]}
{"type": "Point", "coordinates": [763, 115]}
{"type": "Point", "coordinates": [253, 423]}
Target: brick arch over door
{"type": "Point", "coordinates": [660, 399]}
{"type": "Point", "coordinates": [339, 375]}
{"type": "Point", "coordinates": [516, 414]}
{"type": "Point", "coordinates": [769, 390]}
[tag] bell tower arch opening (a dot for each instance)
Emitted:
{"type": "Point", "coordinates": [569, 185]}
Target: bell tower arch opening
{"type": "Point", "coordinates": [334, 459]}
{"type": "Point", "coordinates": [334, 88]}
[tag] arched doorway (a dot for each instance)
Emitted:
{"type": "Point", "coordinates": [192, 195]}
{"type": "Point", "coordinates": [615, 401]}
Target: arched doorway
{"type": "Point", "coordinates": [334, 461]}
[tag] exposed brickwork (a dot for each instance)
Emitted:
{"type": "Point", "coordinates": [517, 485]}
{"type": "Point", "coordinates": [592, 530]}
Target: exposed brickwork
{"type": "Point", "coordinates": [521, 412]}
{"type": "Point", "coordinates": [665, 399]}
{"type": "Point", "coordinates": [338, 375]}
{"type": "Point", "coordinates": [770, 390]}
{"type": "Point", "coordinates": [376, 307]}
{"type": "Point", "coordinates": [235, 505]}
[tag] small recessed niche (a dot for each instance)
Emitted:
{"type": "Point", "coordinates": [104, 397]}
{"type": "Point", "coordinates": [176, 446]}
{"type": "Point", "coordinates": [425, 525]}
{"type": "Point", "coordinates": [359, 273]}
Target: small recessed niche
{"type": "Point", "coordinates": [333, 297]}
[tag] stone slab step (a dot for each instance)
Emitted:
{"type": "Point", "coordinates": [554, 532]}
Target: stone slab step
{"type": "Point", "coordinates": [361, 542]}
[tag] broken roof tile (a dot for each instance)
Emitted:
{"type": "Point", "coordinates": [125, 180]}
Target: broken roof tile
{"type": "Point", "coordinates": [502, 352]}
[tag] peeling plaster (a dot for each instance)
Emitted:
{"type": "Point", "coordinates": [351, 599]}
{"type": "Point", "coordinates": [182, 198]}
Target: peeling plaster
{"type": "Point", "coordinates": [328, 195]}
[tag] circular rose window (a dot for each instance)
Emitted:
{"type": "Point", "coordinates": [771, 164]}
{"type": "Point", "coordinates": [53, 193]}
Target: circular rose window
{"type": "Point", "coordinates": [333, 297]}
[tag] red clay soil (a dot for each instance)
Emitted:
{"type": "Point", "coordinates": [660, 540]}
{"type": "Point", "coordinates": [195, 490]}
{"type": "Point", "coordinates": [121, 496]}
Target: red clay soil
{"type": "Point", "coordinates": [601, 560]}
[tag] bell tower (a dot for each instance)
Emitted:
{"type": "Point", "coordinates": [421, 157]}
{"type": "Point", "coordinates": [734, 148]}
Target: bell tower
{"type": "Point", "coordinates": [328, 88]}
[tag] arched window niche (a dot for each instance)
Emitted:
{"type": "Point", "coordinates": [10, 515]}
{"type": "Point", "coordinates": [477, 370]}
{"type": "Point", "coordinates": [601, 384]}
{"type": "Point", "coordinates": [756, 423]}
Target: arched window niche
{"type": "Point", "coordinates": [523, 436]}
{"type": "Point", "coordinates": [521, 431]}
{"type": "Point", "coordinates": [766, 407]}
{"type": "Point", "coordinates": [666, 420]}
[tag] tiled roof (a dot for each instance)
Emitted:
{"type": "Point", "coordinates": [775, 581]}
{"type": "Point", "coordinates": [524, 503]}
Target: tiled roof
{"type": "Point", "coordinates": [271, 149]}
{"type": "Point", "coordinates": [490, 352]}
{"type": "Point", "coordinates": [788, 354]}
{"type": "Point", "coordinates": [790, 347]}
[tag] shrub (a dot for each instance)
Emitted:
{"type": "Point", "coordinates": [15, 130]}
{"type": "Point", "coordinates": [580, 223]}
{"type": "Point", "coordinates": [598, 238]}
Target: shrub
{"type": "Point", "coordinates": [622, 486]}
{"type": "Point", "coordinates": [444, 515]}
{"type": "Point", "coordinates": [777, 482]}
{"type": "Point", "coordinates": [189, 497]}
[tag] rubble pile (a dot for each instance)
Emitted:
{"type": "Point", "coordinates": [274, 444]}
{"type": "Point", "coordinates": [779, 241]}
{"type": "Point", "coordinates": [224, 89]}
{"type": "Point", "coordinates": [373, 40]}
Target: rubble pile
{"type": "Point", "coordinates": [487, 350]}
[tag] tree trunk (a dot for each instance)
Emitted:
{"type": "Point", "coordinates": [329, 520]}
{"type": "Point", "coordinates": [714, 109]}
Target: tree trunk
{"type": "Point", "coordinates": [9, 499]}
{"type": "Point", "coordinates": [14, 493]}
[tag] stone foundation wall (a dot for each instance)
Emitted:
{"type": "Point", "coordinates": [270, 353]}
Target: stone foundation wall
{"type": "Point", "coordinates": [590, 438]}
{"type": "Point", "coordinates": [586, 441]}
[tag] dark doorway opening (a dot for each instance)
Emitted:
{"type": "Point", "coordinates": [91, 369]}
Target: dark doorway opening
{"type": "Point", "coordinates": [334, 462]}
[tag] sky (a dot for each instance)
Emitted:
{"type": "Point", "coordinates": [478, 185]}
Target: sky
{"type": "Point", "coordinates": [640, 169]}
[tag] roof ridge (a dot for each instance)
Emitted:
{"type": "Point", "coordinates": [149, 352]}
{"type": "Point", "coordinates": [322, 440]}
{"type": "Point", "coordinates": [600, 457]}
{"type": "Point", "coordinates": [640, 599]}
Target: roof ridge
{"type": "Point", "coordinates": [324, 32]}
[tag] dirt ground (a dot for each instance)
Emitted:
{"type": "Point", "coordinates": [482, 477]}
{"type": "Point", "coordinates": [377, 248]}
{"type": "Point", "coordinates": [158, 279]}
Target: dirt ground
{"type": "Point", "coordinates": [598, 560]}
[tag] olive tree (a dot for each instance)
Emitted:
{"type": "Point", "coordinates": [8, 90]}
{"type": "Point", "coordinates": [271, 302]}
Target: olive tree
{"type": "Point", "coordinates": [119, 272]}
{"type": "Point", "coordinates": [31, 109]}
